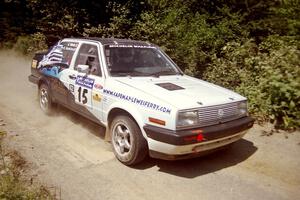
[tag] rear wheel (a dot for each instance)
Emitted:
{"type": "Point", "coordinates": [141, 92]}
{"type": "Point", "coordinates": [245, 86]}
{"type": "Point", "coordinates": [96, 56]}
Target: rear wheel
{"type": "Point", "coordinates": [45, 99]}
{"type": "Point", "coordinates": [129, 145]}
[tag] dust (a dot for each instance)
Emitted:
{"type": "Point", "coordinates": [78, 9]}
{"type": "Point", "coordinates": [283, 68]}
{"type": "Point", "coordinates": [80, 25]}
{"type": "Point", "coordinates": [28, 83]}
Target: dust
{"type": "Point", "coordinates": [19, 96]}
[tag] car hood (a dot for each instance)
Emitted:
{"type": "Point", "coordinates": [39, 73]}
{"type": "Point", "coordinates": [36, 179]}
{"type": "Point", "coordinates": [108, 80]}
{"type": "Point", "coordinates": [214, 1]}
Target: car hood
{"type": "Point", "coordinates": [183, 92]}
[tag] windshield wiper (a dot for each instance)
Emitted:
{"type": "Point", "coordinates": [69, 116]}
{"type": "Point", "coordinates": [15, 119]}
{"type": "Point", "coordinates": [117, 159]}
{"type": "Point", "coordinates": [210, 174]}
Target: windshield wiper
{"type": "Point", "coordinates": [163, 72]}
{"type": "Point", "coordinates": [119, 73]}
{"type": "Point", "coordinates": [136, 73]}
{"type": "Point", "coordinates": [128, 73]}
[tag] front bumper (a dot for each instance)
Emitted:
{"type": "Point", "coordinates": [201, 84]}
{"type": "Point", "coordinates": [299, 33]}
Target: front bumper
{"type": "Point", "coordinates": [184, 143]}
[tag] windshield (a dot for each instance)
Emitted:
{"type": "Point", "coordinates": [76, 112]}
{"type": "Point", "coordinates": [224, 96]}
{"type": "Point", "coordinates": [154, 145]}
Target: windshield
{"type": "Point", "coordinates": [131, 60]}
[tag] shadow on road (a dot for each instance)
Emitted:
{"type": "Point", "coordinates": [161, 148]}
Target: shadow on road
{"type": "Point", "coordinates": [91, 126]}
{"type": "Point", "coordinates": [211, 163]}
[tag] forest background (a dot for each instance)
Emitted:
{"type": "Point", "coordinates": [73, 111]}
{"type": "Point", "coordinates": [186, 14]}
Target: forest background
{"type": "Point", "coordinates": [250, 46]}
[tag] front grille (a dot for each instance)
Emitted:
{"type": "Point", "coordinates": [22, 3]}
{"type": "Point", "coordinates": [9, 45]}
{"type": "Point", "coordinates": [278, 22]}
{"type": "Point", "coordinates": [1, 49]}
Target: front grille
{"type": "Point", "coordinates": [218, 114]}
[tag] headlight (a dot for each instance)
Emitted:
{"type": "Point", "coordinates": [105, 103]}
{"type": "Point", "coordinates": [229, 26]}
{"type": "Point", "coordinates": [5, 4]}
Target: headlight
{"type": "Point", "coordinates": [188, 118]}
{"type": "Point", "coordinates": [242, 108]}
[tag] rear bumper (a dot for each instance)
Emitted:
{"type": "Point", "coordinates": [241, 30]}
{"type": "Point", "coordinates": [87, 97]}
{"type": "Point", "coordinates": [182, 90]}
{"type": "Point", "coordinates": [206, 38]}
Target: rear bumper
{"type": "Point", "coordinates": [169, 144]}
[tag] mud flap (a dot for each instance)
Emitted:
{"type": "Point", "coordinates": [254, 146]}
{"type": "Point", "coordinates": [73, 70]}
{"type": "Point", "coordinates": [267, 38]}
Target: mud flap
{"type": "Point", "coordinates": [107, 136]}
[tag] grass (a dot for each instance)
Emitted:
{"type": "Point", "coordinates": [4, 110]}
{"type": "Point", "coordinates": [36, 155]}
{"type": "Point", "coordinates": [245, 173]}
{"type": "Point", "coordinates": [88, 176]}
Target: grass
{"type": "Point", "coordinates": [12, 185]}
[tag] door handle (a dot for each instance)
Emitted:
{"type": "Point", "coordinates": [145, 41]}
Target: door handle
{"type": "Point", "coordinates": [73, 76]}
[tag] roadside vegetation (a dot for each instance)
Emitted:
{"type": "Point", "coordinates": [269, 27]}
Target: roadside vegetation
{"type": "Point", "coordinates": [13, 185]}
{"type": "Point", "coordinates": [250, 46]}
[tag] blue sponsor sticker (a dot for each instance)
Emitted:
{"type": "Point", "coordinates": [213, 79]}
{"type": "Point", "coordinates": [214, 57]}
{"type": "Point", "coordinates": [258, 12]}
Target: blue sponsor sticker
{"type": "Point", "coordinates": [85, 81]}
{"type": "Point", "coordinates": [138, 101]}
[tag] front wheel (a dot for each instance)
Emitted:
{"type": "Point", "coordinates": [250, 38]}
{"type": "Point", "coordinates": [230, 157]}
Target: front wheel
{"type": "Point", "coordinates": [129, 145]}
{"type": "Point", "coordinates": [45, 99]}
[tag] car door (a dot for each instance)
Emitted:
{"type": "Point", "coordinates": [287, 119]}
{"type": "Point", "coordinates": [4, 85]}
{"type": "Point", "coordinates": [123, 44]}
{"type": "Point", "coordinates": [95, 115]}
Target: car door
{"type": "Point", "coordinates": [86, 87]}
{"type": "Point", "coordinates": [65, 89]}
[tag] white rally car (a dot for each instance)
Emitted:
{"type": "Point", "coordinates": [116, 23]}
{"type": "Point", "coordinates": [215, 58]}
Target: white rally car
{"type": "Point", "coordinates": [137, 92]}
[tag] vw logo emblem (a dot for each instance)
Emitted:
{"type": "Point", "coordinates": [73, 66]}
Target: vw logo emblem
{"type": "Point", "coordinates": [220, 113]}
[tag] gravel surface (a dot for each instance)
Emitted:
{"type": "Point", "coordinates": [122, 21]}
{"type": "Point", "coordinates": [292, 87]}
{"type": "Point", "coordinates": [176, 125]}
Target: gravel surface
{"type": "Point", "coordinates": [68, 152]}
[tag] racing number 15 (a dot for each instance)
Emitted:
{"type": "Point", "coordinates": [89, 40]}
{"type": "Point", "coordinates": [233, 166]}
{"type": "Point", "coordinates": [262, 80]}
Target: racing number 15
{"type": "Point", "coordinates": [83, 95]}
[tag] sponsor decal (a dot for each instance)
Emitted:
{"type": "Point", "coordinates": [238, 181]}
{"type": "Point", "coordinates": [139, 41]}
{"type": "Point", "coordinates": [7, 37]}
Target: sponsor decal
{"type": "Point", "coordinates": [53, 62]}
{"type": "Point", "coordinates": [70, 46]}
{"type": "Point", "coordinates": [55, 56]}
{"type": "Point", "coordinates": [98, 86]}
{"type": "Point", "coordinates": [137, 101]}
{"type": "Point", "coordinates": [96, 97]}
{"type": "Point", "coordinates": [85, 81]}
{"type": "Point", "coordinates": [71, 88]}
{"type": "Point", "coordinates": [51, 71]}
{"type": "Point", "coordinates": [34, 64]}
{"type": "Point", "coordinates": [130, 46]}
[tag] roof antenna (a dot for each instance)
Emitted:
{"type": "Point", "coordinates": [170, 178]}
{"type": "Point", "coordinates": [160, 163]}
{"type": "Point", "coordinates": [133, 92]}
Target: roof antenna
{"type": "Point", "coordinates": [115, 42]}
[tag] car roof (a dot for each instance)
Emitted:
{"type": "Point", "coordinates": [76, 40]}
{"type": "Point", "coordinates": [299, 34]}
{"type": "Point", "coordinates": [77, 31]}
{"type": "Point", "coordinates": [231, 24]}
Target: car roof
{"type": "Point", "coordinates": [114, 41]}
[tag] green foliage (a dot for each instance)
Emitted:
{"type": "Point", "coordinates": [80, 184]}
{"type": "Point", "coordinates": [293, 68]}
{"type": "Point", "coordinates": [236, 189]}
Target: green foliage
{"type": "Point", "coordinates": [268, 74]}
{"type": "Point", "coordinates": [189, 37]}
{"type": "Point", "coordinates": [56, 19]}
{"type": "Point", "coordinates": [12, 188]}
{"type": "Point", "coordinates": [28, 45]}
{"type": "Point", "coordinates": [285, 18]}
{"type": "Point", "coordinates": [117, 27]}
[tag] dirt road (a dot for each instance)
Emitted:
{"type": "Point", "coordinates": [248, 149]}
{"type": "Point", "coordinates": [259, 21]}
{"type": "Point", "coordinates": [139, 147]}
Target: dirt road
{"type": "Point", "coordinates": [68, 152]}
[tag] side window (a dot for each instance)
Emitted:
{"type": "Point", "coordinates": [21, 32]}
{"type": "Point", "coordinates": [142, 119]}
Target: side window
{"type": "Point", "coordinates": [68, 49]}
{"type": "Point", "coordinates": [88, 55]}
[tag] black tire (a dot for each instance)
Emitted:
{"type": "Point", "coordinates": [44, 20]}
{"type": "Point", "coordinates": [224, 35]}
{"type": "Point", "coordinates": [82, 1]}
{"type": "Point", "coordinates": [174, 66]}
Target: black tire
{"type": "Point", "coordinates": [129, 145]}
{"type": "Point", "coordinates": [45, 100]}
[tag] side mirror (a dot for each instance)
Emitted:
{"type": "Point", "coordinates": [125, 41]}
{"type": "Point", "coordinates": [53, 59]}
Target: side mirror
{"type": "Point", "coordinates": [83, 69]}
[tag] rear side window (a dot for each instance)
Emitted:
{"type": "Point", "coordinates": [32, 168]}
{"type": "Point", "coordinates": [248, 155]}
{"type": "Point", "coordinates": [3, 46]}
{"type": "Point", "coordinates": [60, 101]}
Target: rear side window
{"type": "Point", "coordinates": [68, 49]}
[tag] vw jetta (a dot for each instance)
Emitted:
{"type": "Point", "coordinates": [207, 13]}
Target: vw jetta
{"type": "Point", "coordinates": [147, 104]}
